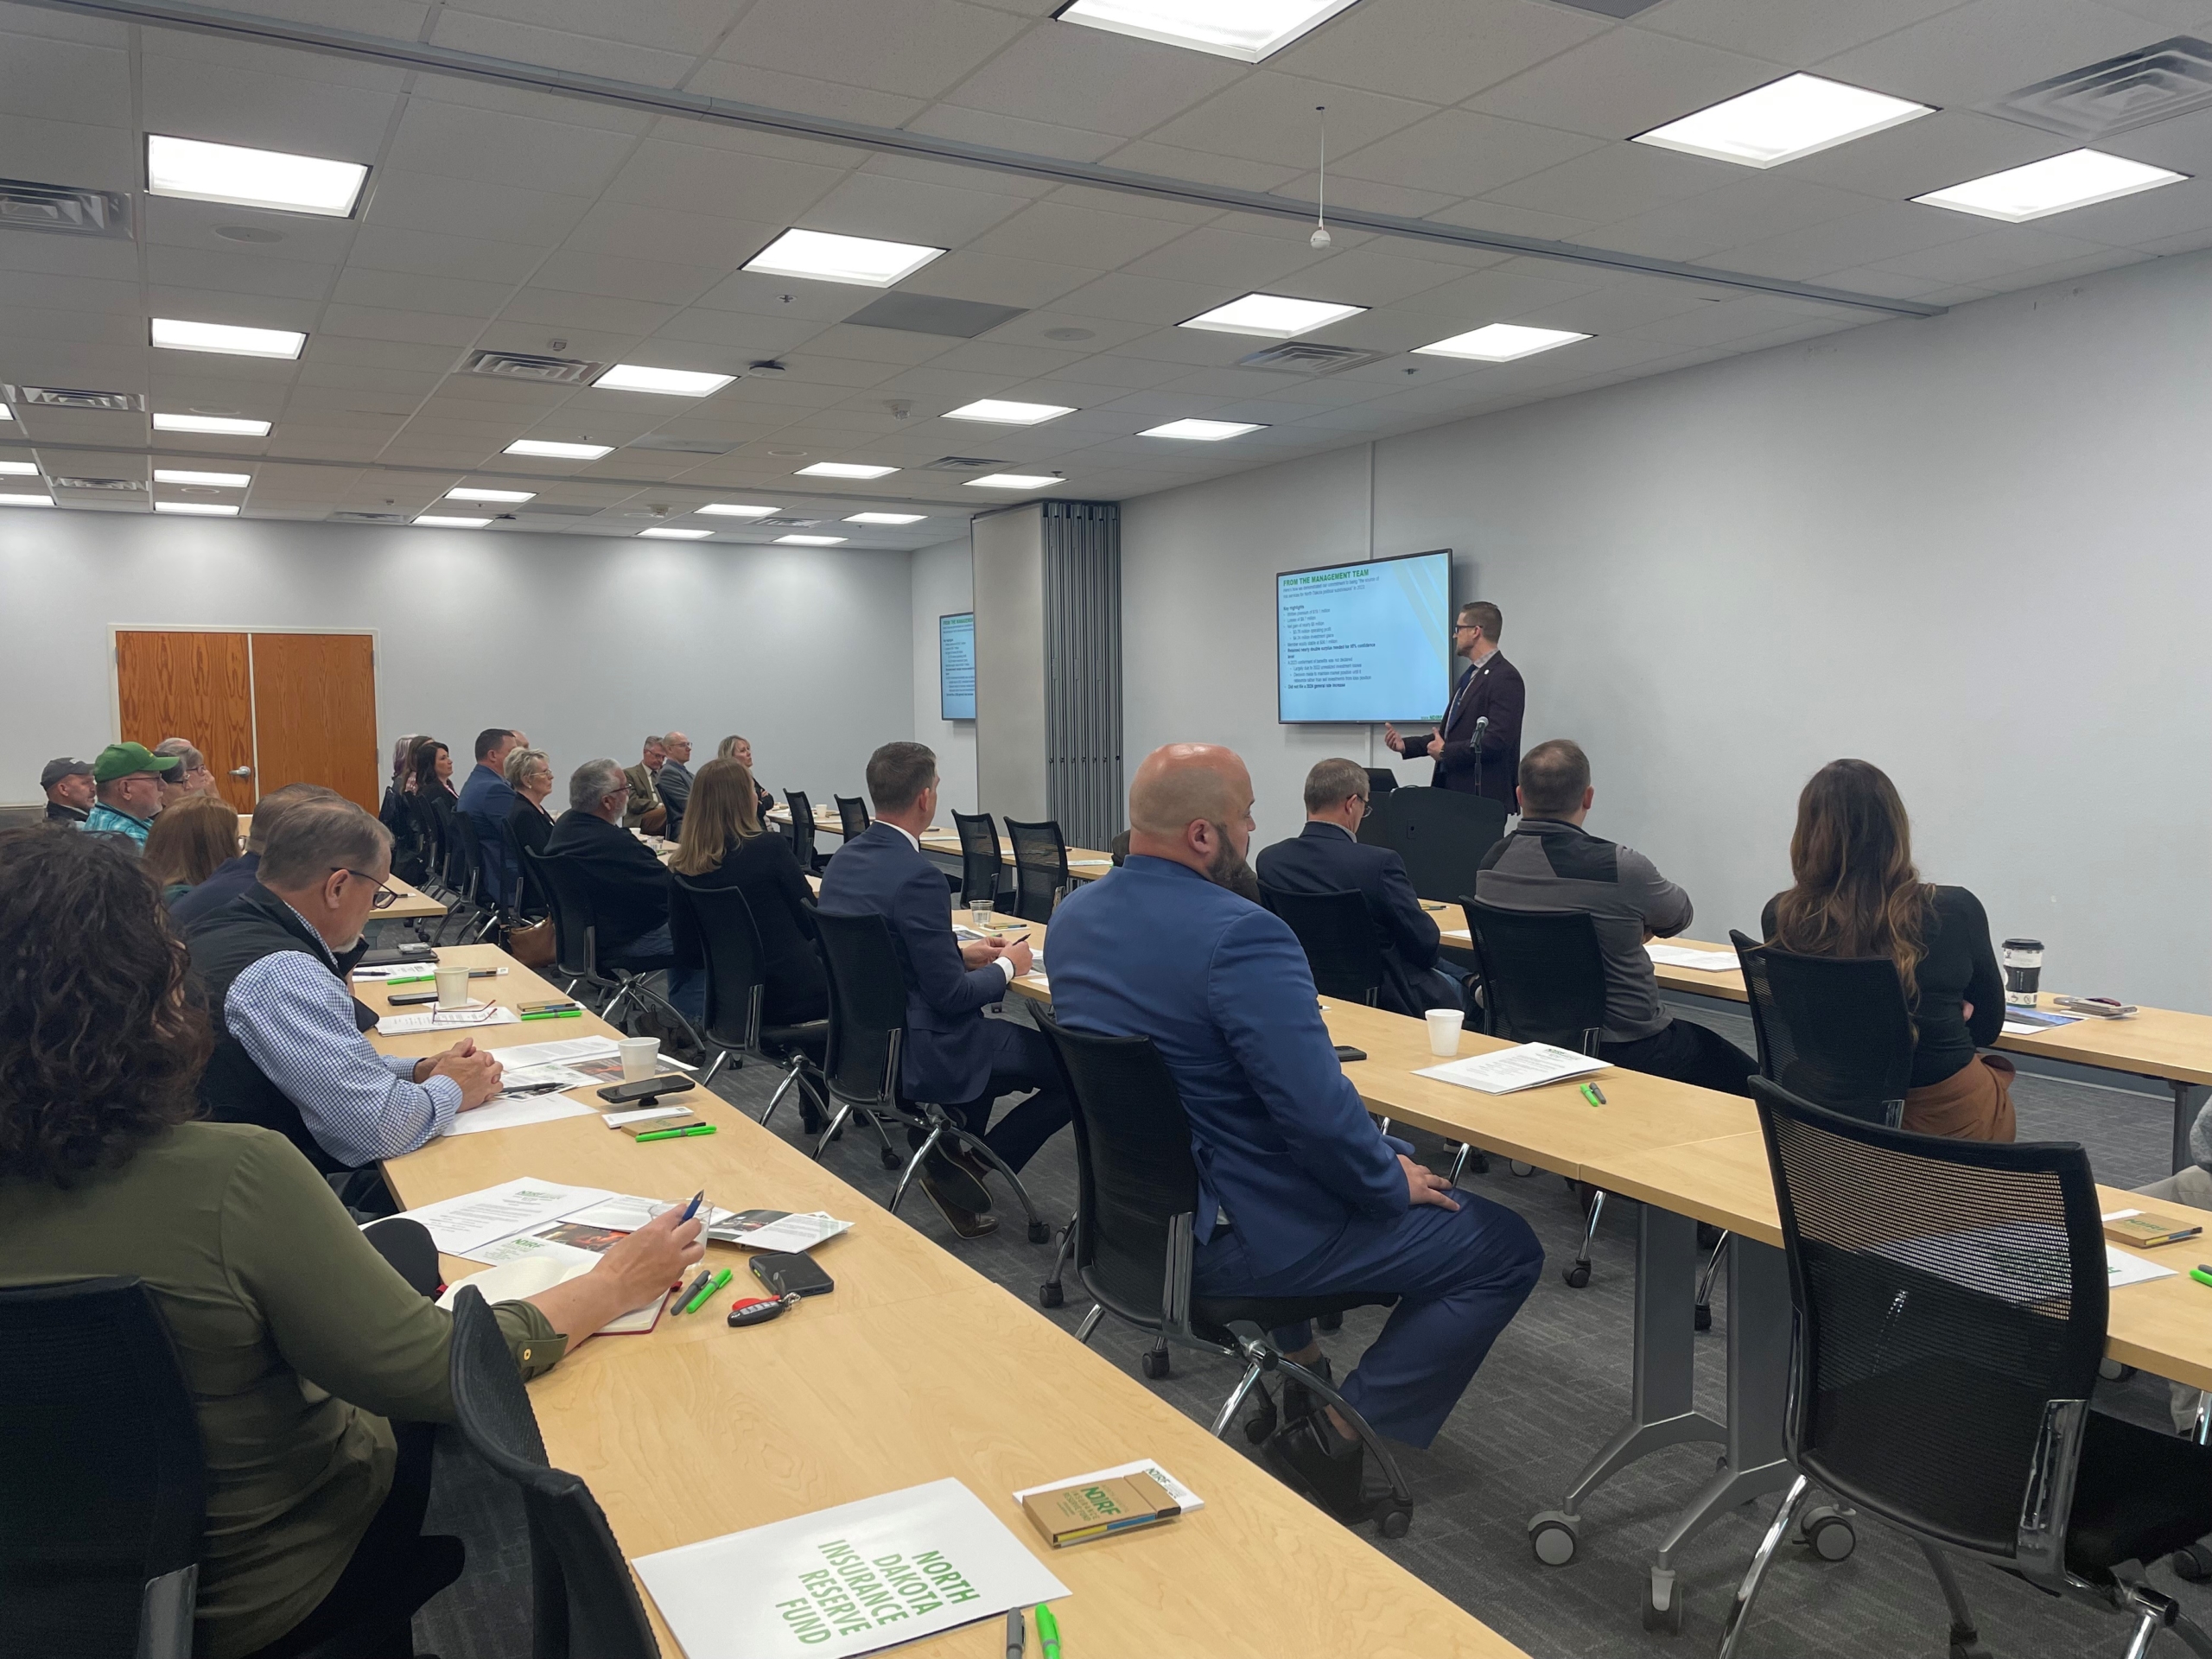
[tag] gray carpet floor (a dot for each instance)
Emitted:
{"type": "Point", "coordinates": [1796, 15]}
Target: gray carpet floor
{"type": "Point", "coordinates": [1554, 1386]}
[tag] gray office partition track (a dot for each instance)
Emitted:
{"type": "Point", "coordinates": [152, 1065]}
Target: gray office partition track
{"type": "Point", "coordinates": [1082, 672]}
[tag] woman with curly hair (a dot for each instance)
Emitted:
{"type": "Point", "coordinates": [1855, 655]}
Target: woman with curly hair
{"type": "Point", "coordinates": [314, 1367]}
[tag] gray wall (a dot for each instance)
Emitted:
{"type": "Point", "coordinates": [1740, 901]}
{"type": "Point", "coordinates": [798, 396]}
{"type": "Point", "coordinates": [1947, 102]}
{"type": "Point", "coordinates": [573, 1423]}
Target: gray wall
{"type": "Point", "coordinates": [1969, 549]}
{"type": "Point", "coordinates": [587, 644]}
{"type": "Point", "coordinates": [942, 587]}
{"type": "Point", "coordinates": [1009, 587]}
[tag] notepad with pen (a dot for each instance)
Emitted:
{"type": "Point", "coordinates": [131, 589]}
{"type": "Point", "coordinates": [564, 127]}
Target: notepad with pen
{"type": "Point", "coordinates": [2145, 1230]}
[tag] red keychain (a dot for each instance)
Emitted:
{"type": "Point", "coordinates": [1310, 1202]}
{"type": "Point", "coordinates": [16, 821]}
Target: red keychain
{"type": "Point", "coordinates": [758, 1310]}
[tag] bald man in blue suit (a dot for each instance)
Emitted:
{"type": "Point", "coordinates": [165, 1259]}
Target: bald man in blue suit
{"type": "Point", "coordinates": [1299, 1192]}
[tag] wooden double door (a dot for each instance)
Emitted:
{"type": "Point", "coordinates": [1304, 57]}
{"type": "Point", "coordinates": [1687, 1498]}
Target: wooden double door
{"type": "Point", "coordinates": [267, 710]}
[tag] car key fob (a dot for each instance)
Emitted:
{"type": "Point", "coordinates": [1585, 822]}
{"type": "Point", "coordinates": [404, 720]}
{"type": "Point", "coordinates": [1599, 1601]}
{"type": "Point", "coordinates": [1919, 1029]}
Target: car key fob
{"type": "Point", "coordinates": [758, 1310]}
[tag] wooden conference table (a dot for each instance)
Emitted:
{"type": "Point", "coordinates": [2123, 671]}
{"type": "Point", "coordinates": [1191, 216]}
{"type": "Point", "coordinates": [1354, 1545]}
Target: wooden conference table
{"type": "Point", "coordinates": [916, 1369]}
{"type": "Point", "coordinates": [413, 906]}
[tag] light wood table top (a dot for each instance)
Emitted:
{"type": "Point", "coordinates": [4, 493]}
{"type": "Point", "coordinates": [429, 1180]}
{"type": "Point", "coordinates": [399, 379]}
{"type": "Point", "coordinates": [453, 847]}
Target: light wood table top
{"type": "Point", "coordinates": [414, 904]}
{"type": "Point", "coordinates": [1084, 863]}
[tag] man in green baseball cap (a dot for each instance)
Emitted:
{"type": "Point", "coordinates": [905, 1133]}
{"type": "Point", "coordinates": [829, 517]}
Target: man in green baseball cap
{"type": "Point", "coordinates": [127, 778]}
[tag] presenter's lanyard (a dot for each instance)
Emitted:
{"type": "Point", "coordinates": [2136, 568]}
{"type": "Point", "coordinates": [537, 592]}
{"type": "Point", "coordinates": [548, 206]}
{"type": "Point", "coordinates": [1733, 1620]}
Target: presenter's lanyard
{"type": "Point", "coordinates": [1465, 686]}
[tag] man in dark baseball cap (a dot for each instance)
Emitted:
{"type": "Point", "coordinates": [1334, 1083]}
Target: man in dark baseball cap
{"type": "Point", "coordinates": [68, 785]}
{"type": "Point", "coordinates": [127, 778]}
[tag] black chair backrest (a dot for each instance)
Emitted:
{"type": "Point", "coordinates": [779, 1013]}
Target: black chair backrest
{"type": "Point", "coordinates": [1041, 869]}
{"type": "Point", "coordinates": [852, 815]}
{"type": "Point", "coordinates": [573, 925]}
{"type": "Point", "coordinates": [1343, 946]}
{"type": "Point", "coordinates": [1542, 973]}
{"type": "Point", "coordinates": [464, 872]}
{"type": "Point", "coordinates": [1442, 834]}
{"type": "Point", "coordinates": [584, 1603]}
{"type": "Point", "coordinates": [802, 811]}
{"type": "Point", "coordinates": [101, 1494]}
{"type": "Point", "coordinates": [1135, 1173]}
{"type": "Point", "coordinates": [1946, 1293]}
{"type": "Point", "coordinates": [525, 898]}
{"type": "Point", "coordinates": [429, 829]}
{"type": "Point", "coordinates": [980, 858]}
{"type": "Point", "coordinates": [1833, 1030]}
{"type": "Point", "coordinates": [868, 1006]}
{"type": "Point", "coordinates": [730, 943]}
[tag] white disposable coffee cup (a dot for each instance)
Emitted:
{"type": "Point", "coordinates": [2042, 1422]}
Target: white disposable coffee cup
{"type": "Point", "coordinates": [1444, 1030]}
{"type": "Point", "coordinates": [453, 987]}
{"type": "Point", "coordinates": [640, 1057]}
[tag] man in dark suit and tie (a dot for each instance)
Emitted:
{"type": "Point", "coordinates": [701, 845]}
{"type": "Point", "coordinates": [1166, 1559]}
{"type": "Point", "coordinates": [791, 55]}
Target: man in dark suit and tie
{"type": "Point", "coordinates": [1299, 1192]}
{"type": "Point", "coordinates": [627, 886]}
{"type": "Point", "coordinates": [1328, 858]}
{"type": "Point", "coordinates": [952, 1056]}
{"type": "Point", "coordinates": [487, 800]}
{"type": "Point", "coordinates": [1489, 688]}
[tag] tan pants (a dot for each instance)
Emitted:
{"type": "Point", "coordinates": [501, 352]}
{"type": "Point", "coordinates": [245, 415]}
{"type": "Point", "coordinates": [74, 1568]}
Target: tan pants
{"type": "Point", "coordinates": [1974, 1103]}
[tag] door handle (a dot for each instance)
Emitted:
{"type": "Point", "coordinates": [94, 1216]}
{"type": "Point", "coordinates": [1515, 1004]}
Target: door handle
{"type": "Point", "coordinates": [241, 772]}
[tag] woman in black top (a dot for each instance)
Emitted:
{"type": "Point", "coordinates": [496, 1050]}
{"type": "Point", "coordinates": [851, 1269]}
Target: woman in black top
{"type": "Point", "coordinates": [1858, 894]}
{"type": "Point", "coordinates": [724, 845]}
{"type": "Point", "coordinates": [530, 774]}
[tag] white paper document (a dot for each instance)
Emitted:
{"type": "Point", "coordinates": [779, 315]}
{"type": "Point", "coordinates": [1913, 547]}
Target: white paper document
{"type": "Point", "coordinates": [792, 1232]}
{"type": "Point", "coordinates": [1529, 1066]}
{"type": "Point", "coordinates": [1183, 1494]}
{"type": "Point", "coordinates": [1681, 956]}
{"type": "Point", "coordinates": [847, 1580]}
{"type": "Point", "coordinates": [517, 1111]}
{"type": "Point", "coordinates": [463, 1226]}
{"type": "Point", "coordinates": [2121, 1269]}
{"type": "Point", "coordinates": [414, 1025]}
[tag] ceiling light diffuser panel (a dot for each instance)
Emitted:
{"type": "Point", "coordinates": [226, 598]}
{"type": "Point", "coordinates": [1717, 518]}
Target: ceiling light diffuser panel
{"type": "Point", "coordinates": [844, 469]}
{"type": "Point", "coordinates": [670, 383]}
{"type": "Point", "coordinates": [1246, 30]}
{"type": "Point", "coordinates": [824, 258]}
{"type": "Point", "coordinates": [195, 171]}
{"type": "Point", "coordinates": [553, 451]}
{"type": "Point", "coordinates": [812, 541]}
{"type": "Point", "coordinates": [448, 521]}
{"type": "Point", "coordinates": [1272, 316]}
{"type": "Point", "coordinates": [173, 334]}
{"type": "Point", "coordinates": [1202, 431]}
{"type": "Point", "coordinates": [206, 481]}
{"type": "Point", "coordinates": [1499, 342]}
{"type": "Point", "coordinates": [885, 518]}
{"type": "Point", "coordinates": [737, 509]}
{"type": "Point", "coordinates": [1798, 115]}
{"type": "Point", "coordinates": [471, 492]}
{"type": "Point", "coordinates": [224, 425]}
{"type": "Point", "coordinates": [13, 498]}
{"type": "Point", "coordinates": [1015, 481]}
{"type": "Point", "coordinates": [2080, 178]}
{"type": "Point", "coordinates": [198, 509]}
{"type": "Point", "coordinates": [673, 533]}
{"type": "Point", "coordinates": [18, 469]}
{"type": "Point", "coordinates": [1000, 412]}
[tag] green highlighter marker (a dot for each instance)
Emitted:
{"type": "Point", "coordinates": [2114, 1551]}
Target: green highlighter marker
{"type": "Point", "coordinates": [677, 1135]}
{"type": "Point", "coordinates": [1590, 1092]}
{"type": "Point", "coordinates": [706, 1295]}
{"type": "Point", "coordinates": [2201, 1273]}
{"type": "Point", "coordinates": [1048, 1632]}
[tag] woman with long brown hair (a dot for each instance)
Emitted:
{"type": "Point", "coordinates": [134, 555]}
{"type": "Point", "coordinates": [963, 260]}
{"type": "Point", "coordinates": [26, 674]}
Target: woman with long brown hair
{"type": "Point", "coordinates": [188, 842]}
{"type": "Point", "coordinates": [1857, 894]}
{"type": "Point", "coordinates": [725, 845]}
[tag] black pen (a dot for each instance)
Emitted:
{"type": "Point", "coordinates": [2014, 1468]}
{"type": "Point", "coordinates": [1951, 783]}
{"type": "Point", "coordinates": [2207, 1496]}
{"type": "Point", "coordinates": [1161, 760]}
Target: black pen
{"type": "Point", "coordinates": [697, 1285]}
{"type": "Point", "coordinates": [1017, 1633]}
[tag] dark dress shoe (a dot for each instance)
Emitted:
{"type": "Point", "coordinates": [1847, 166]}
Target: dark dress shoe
{"type": "Point", "coordinates": [955, 1183]}
{"type": "Point", "coordinates": [969, 1159]}
{"type": "Point", "coordinates": [1300, 1402]}
{"type": "Point", "coordinates": [966, 1223]}
{"type": "Point", "coordinates": [1310, 1453]}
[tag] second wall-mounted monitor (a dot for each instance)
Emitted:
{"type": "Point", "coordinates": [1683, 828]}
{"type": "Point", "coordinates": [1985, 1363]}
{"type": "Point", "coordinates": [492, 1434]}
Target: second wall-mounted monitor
{"type": "Point", "coordinates": [1361, 642]}
{"type": "Point", "coordinates": [955, 666]}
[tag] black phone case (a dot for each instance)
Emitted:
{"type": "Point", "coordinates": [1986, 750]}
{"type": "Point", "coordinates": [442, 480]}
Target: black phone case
{"type": "Point", "coordinates": [783, 1272]}
{"type": "Point", "coordinates": [618, 1094]}
{"type": "Point", "coordinates": [1346, 1051]}
{"type": "Point", "coordinates": [408, 999]}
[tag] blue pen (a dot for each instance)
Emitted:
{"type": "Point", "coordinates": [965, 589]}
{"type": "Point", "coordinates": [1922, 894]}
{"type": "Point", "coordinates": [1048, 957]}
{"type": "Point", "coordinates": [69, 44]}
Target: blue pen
{"type": "Point", "coordinates": [692, 1208]}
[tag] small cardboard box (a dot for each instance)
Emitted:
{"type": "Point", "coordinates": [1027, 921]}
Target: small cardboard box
{"type": "Point", "coordinates": [1074, 1514]}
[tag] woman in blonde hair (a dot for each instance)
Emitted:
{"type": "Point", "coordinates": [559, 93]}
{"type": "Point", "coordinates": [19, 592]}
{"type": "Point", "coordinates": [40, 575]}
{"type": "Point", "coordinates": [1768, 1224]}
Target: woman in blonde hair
{"type": "Point", "coordinates": [724, 845]}
{"type": "Point", "coordinates": [739, 749]}
{"type": "Point", "coordinates": [1858, 894]}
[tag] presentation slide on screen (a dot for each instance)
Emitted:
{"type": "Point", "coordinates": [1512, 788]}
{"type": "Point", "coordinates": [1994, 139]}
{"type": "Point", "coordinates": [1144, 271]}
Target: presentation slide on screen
{"type": "Point", "coordinates": [955, 666]}
{"type": "Point", "coordinates": [1364, 642]}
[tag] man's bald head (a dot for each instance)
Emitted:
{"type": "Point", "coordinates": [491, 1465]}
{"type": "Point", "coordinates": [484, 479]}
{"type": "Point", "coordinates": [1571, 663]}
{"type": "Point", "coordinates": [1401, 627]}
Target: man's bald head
{"type": "Point", "coordinates": [1192, 802]}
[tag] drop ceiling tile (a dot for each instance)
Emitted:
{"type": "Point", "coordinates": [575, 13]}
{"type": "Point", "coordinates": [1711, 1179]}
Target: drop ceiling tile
{"type": "Point", "coordinates": [624, 229]}
{"type": "Point", "coordinates": [691, 178]}
{"type": "Point", "coordinates": [583, 272]}
{"type": "Point", "coordinates": [1459, 153]}
{"type": "Point", "coordinates": [1982, 50]}
{"type": "Point", "coordinates": [994, 356]}
{"type": "Point", "coordinates": [337, 350]}
{"type": "Point", "coordinates": [920, 48]}
{"type": "Point", "coordinates": [1442, 51]}
{"type": "Point", "coordinates": [395, 19]}
{"type": "Point", "coordinates": [1069, 76]}
{"type": "Point", "coordinates": [1624, 305]}
{"type": "Point", "coordinates": [510, 151]}
{"type": "Point", "coordinates": [1061, 234]}
{"type": "Point", "coordinates": [1493, 296]}
{"type": "Point", "coordinates": [95, 257]}
{"type": "Point", "coordinates": [551, 308]}
{"type": "Point", "coordinates": [1235, 260]}
{"type": "Point", "coordinates": [1483, 215]}
{"type": "Point", "coordinates": [70, 152]}
{"type": "Point", "coordinates": [560, 49]}
{"type": "Point", "coordinates": [1707, 226]}
{"type": "Point", "coordinates": [1929, 153]}
{"type": "Point", "coordinates": [993, 280]}
{"type": "Point", "coordinates": [240, 274]}
{"type": "Point", "coordinates": [63, 81]}
{"type": "Point", "coordinates": [755, 335]}
{"type": "Point", "coordinates": [1269, 117]}
{"type": "Point", "coordinates": [2176, 209]}
{"type": "Point", "coordinates": [371, 322]}
{"type": "Point", "coordinates": [450, 297]}
{"type": "Point", "coordinates": [249, 57]}
{"type": "Point", "coordinates": [1146, 299]}
{"type": "Point", "coordinates": [895, 346]}
{"type": "Point", "coordinates": [430, 201]}
{"type": "Point", "coordinates": [1718, 325]}
{"type": "Point", "coordinates": [1202, 167]}
{"type": "Point", "coordinates": [687, 27]}
{"type": "Point", "coordinates": [1883, 231]}
{"type": "Point", "coordinates": [61, 26]}
{"type": "Point", "coordinates": [1619, 181]}
{"type": "Point", "coordinates": [1366, 196]}
{"type": "Point", "coordinates": [1998, 254]}
{"type": "Point", "coordinates": [1380, 274]}
{"type": "Point", "coordinates": [388, 247]}
{"type": "Point", "coordinates": [1013, 132]}
{"type": "Point", "coordinates": [900, 210]}
{"type": "Point", "coordinates": [803, 94]}
{"type": "Point", "coordinates": [190, 97]}
{"type": "Point", "coordinates": [1118, 373]}
{"type": "Point", "coordinates": [1100, 334]}
{"type": "Point", "coordinates": [1800, 33]}
{"type": "Point", "coordinates": [1624, 82]}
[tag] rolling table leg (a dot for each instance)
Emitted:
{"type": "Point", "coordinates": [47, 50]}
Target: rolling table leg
{"type": "Point", "coordinates": [2188, 1100]}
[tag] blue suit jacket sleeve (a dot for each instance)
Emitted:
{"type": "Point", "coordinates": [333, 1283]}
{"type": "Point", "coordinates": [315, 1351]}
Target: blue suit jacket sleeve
{"type": "Point", "coordinates": [1413, 930]}
{"type": "Point", "coordinates": [1260, 993]}
{"type": "Point", "coordinates": [922, 916]}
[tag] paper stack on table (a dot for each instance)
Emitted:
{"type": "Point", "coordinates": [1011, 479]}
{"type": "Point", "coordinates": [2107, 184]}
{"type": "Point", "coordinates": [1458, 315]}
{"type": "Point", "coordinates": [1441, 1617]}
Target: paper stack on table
{"type": "Point", "coordinates": [414, 1025]}
{"type": "Point", "coordinates": [1681, 956]}
{"type": "Point", "coordinates": [1530, 1065]}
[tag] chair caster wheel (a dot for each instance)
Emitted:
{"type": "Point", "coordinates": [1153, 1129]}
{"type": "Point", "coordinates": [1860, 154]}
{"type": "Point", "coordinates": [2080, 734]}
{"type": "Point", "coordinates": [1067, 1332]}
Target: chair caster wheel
{"type": "Point", "coordinates": [1578, 1276]}
{"type": "Point", "coordinates": [1263, 1423]}
{"type": "Point", "coordinates": [2112, 1371]}
{"type": "Point", "coordinates": [893, 1161]}
{"type": "Point", "coordinates": [1830, 1533]}
{"type": "Point", "coordinates": [1039, 1233]}
{"type": "Point", "coordinates": [1668, 1620]}
{"type": "Point", "coordinates": [1156, 1364]}
{"type": "Point", "coordinates": [2192, 1563]}
{"type": "Point", "coordinates": [1554, 1538]}
{"type": "Point", "coordinates": [1393, 1520]}
{"type": "Point", "coordinates": [1329, 1322]}
{"type": "Point", "coordinates": [1050, 1295]}
{"type": "Point", "coordinates": [1520, 1168]}
{"type": "Point", "coordinates": [1703, 1318]}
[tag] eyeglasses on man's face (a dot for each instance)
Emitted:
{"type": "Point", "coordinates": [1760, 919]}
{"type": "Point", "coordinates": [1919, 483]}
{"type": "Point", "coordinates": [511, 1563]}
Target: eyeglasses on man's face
{"type": "Point", "coordinates": [385, 898]}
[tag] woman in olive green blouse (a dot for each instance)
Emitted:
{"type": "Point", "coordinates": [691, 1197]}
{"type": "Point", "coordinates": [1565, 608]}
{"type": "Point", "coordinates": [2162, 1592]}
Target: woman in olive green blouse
{"type": "Point", "coordinates": [299, 1344]}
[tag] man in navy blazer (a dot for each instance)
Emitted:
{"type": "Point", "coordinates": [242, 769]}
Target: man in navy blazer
{"type": "Point", "coordinates": [952, 1055]}
{"type": "Point", "coordinates": [486, 798]}
{"type": "Point", "coordinates": [1328, 857]}
{"type": "Point", "coordinates": [1477, 747]}
{"type": "Point", "coordinates": [1299, 1192]}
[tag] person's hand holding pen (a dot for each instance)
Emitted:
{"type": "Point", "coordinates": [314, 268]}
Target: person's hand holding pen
{"type": "Point", "coordinates": [633, 1270]}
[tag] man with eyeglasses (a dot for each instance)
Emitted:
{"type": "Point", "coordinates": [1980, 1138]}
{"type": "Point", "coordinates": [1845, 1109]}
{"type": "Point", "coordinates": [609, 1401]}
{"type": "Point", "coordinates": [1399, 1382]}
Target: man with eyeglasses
{"type": "Point", "coordinates": [1476, 745]}
{"type": "Point", "coordinates": [290, 1052]}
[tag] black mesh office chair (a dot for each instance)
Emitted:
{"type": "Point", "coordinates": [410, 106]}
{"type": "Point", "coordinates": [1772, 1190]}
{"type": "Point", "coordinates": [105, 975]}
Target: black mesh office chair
{"type": "Point", "coordinates": [802, 811]}
{"type": "Point", "coordinates": [527, 903]}
{"type": "Point", "coordinates": [430, 835]}
{"type": "Point", "coordinates": [583, 1604]}
{"type": "Point", "coordinates": [867, 1029]}
{"type": "Point", "coordinates": [1133, 1246]}
{"type": "Point", "coordinates": [1833, 1030]}
{"type": "Point", "coordinates": [1948, 1300]}
{"type": "Point", "coordinates": [476, 914]}
{"type": "Point", "coordinates": [1342, 945]}
{"type": "Point", "coordinates": [980, 861]}
{"type": "Point", "coordinates": [576, 936]}
{"type": "Point", "coordinates": [730, 941]}
{"type": "Point", "coordinates": [852, 815]}
{"type": "Point", "coordinates": [1041, 869]}
{"type": "Point", "coordinates": [1543, 981]}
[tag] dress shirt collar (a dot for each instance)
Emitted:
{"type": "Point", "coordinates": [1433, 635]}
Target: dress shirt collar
{"type": "Point", "coordinates": [1311, 825]}
{"type": "Point", "coordinates": [1478, 662]}
{"type": "Point", "coordinates": [912, 840]}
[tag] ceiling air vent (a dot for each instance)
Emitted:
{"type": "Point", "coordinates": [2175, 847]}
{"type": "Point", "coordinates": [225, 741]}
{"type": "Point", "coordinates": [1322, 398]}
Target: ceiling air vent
{"type": "Point", "coordinates": [71, 397]}
{"type": "Point", "coordinates": [788, 523]}
{"type": "Point", "coordinates": [1304, 357]}
{"type": "Point", "coordinates": [932, 314]}
{"type": "Point", "coordinates": [63, 209]}
{"type": "Point", "coordinates": [525, 365]}
{"type": "Point", "coordinates": [97, 484]}
{"type": "Point", "coordinates": [679, 446]}
{"type": "Point", "coordinates": [368, 518]}
{"type": "Point", "coordinates": [2154, 84]}
{"type": "Point", "coordinates": [958, 464]}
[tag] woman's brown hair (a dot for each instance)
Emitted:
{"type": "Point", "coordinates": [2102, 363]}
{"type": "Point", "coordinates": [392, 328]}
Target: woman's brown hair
{"type": "Point", "coordinates": [422, 768]}
{"type": "Point", "coordinates": [100, 1049]}
{"type": "Point", "coordinates": [189, 840]}
{"type": "Point", "coordinates": [1856, 892]}
{"type": "Point", "coordinates": [724, 807]}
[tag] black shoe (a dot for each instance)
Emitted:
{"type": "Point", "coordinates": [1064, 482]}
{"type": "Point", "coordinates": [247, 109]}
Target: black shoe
{"type": "Point", "coordinates": [955, 1183]}
{"type": "Point", "coordinates": [1312, 1454]}
{"type": "Point", "coordinates": [1299, 1402]}
{"type": "Point", "coordinates": [966, 1223]}
{"type": "Point", "coordinates": [969, 1159]}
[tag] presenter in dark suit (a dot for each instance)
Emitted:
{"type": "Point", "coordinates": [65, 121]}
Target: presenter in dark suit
{"type": "Point", "coordinates": [1488, 688]}
{"type": "Point", "coordinates": [952, 1056]}
{"type": "Point", "coordinates": [1299, 1192]}
{"type": "Point", "coordinates": [1329, 858]}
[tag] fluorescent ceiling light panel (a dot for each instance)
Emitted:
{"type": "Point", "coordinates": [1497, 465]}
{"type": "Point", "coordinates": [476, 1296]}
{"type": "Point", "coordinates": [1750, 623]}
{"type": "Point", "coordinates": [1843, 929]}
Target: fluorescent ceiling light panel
{"type": "Point", "coordinates": [173, 333]}
{"type": "Point", "coordinates": [1272, 316]}
{"type": "Point", "coordinates": [18, 469]}
{"type": "Point", "coordinates": [844, 469]}
{"type": "Point", "coordinates": [1500, 342]}
{"type": "Point", "coordinates": [1014, 481]}
{"type": "Point", "coordinates": [212, 480]}
{"type": "Point", "coordinates": [201, 509]}
{"type": "Point", "coordinates": [1202, 431]}
{"type": "Point", "coordinates": [471, 492]}
{"type": "Point", "coordinates": [1798, 115]}
{"type": "Point", "coordinates": [1000, 412]}
{"type": "Point", "coordinates": [812, 541]}
{"type": "Point", "coordinates": [671, 383]}
{"type": "Point", "coordinates": [6, 413]}
{"type": "Point", "coordinates": [1246, 30]}
{"type": "Point", "coordinates": [251, 178]}
{"type": "Point", "coordinates": [885, 518]}
{"type": "Point", "coordinates": [554, 451]}
{"type": "Point", "coordinates": [226, 425]}
{"type": "Point", "coordinates": [826, 259]}
{"type": "Point", "coordinates": [737, 509]}
{"type": "Point", "coordinates": [447, 521]}
{"type": "Point", "coordinates": [2077, 179]}
{"type": "Point", "coordinates": [13, 500]}
{"type": "Point", "coordinates": [672, 533]}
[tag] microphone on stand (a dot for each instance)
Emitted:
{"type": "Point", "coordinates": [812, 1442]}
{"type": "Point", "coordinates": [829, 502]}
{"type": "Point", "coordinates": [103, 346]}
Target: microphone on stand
{"type": "Point", "coordinates": [1482, 725]}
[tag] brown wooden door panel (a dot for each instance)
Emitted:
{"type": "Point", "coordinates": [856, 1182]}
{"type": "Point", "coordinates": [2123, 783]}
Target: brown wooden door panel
{"type": "Point", "coordinates": [192, 686]}
{"type": "Point", "coordinates": [316, 705]}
